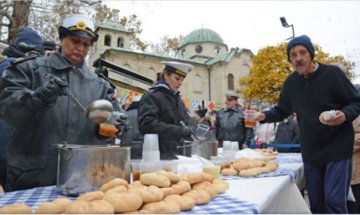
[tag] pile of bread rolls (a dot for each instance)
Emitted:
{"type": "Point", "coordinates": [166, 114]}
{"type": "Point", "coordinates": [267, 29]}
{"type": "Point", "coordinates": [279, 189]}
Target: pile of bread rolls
{"type": "Point", "coordinates": [156, 192]}
{"type": "Point", "coordinates": [249, 167]}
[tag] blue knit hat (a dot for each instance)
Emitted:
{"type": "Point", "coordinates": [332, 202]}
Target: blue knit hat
{"type": "Point", "coordinates": [28, 36]}
{"type": "Point", "coordinates": [301, 40]}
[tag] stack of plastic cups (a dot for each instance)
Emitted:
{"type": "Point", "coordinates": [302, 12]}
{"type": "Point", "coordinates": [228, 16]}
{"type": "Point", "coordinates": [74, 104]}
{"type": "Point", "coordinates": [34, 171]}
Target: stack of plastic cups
{"type": "Point", "coordinates": [151, 151]}
{"type": "Point", "coordinates": [228, 150]}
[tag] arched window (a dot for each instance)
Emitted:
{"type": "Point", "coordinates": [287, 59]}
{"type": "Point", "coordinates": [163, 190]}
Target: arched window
{"type": "Point", "coordinates": [230, 82]}
{"type": "Point", "coordinates": [120, 42]}
{"type": "Point", "coordinates": [198, 85]}
{"type": "Point", "coordinates": [127, 66]}
{"type": "Point", "coordinates": [107, 40]}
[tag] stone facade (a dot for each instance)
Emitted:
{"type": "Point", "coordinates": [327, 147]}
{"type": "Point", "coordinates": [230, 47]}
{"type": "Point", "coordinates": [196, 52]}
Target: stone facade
{"type": "Point", "coordinates": [216, 69]}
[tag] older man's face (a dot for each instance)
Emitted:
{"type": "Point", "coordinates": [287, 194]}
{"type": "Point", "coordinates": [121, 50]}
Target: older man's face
{"type": "Point", "coordinates": [75, 48]}
{"type": "Point", "coordinates": [230, 102]}
{"type": "Point", "coordinates": [300, 58]}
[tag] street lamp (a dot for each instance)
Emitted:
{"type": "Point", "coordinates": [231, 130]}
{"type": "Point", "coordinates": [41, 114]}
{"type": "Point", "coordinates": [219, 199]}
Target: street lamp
{"type": "Point", "coordinates": [286, 25]}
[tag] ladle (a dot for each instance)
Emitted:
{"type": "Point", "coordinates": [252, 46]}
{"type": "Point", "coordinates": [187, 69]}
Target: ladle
{"type": "Point", "coordinates": [98, 111]}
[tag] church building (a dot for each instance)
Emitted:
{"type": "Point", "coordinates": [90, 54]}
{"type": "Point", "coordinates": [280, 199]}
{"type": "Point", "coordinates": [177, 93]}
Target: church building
{"type": "Point", "coordinates": [217, 69]}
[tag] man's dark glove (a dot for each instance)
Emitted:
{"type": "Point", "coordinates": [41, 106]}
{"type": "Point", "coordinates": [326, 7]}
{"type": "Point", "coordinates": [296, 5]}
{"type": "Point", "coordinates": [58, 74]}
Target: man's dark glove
{"type": "Point", "coordinates": [51, 90]}
{"type": "Point", "coordinates": [187, 131]}
{"type": "Point", "coordinates": [121, 122]}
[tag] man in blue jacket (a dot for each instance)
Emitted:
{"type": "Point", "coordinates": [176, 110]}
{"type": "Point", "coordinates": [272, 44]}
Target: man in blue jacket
{"type": "Point", "coordinates": [326, 142]}
{"type": "Point", "coordinates": [28, 37]}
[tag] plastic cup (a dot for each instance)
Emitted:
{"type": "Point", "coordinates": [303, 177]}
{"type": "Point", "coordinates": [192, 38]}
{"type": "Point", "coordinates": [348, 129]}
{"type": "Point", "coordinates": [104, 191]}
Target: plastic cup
{"type": "Point", "coordinates": [135, 169]}
{"type": "Point", "coordinates": [151, 142]}
{"type": "Point", "coordinates": [151, 156]}
{"type": "Point", "coordinates": [227, 146]}
{"type": "Point", "coordinates": [250, 119]}
{"type": "Point", "coordinates": [235, 146]}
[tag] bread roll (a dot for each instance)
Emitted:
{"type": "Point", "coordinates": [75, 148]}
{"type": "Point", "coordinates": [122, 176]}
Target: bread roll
{"type": "Point", "coordinates": [241, 165]}
{"type": "Point", "coordinates": [173, 177]}
{"type": "Point", "coordinates": [212, 190]}
{"type": "Point", "coordinates": [181, 187]}
{"type": "Point", "coordinates": [208, 177]}
{"type": "Point", "coordinates": [161, 207]}
{"type": "Point", "coordinates": [113, 183]}
{"type": "Point", "coordinates": [117, 189]}
{"type": "Point", "coordinates": [154, 179]}
{"type": "Point", "coordinates": [201, 185]}
{"type": "Point", "coordinates": [229, 171]}
{"type": "Point", "coordinates": [16, 209]}
{"type": "Point", "coordinates": [200, 196]}
{"type": "Point", "coordinates": [100, 207]}
{"type": "Point", "coordinates": [167, 191]}
{"type": "Point", "coordinates": [184, 202]}
{"type": "Point", "coordinates": [49, 208]}
{"type": "Point", "coordinates": [124, 202]}
{"type": "Point", "coordinates": [151, 194]}
{"type": "Point", "coordinates": [63, 202]}
{"type": "Point", "coordinates": [77, 207]}
{"type": "Point", "coordinates": [221, 185]}
{"type": "Point", "coordinates": [91, 196]}
{"type": "Point", "coordinates": [193, 177]}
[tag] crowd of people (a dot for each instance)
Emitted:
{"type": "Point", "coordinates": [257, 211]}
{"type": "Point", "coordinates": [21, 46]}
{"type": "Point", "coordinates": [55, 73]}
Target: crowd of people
{"type": "Point", "coordinates": [36, 114]}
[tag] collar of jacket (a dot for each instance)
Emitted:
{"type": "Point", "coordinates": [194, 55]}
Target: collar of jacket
{"type": "Point", "coordinates": [59, 63]}
{"type": "Point", "coordinates": [236, 109]}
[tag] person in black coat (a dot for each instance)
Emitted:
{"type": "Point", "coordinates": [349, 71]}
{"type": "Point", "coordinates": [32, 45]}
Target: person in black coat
{"type": "Point", "coordinates": [28, 37]}
{"type": "Point", "coordinates": [162, 112]}
{"type": "Point", "coordinates": [313, 90]}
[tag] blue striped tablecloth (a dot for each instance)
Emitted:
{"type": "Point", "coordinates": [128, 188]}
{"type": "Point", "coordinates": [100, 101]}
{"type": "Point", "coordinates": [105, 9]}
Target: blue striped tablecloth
{"type": "Point", "coordinates": [222, 204]}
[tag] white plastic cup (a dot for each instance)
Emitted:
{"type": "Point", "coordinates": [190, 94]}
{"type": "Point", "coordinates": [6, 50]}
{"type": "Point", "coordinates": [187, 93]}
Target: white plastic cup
{"type": "Point", "coordinates": [151, 143]}
{"type": "Point", "coordinates": [151, 156]}
{"type": "Point", "coordinates": [227, 146]}
{"type": "Point", "coordinates": [235, 146]}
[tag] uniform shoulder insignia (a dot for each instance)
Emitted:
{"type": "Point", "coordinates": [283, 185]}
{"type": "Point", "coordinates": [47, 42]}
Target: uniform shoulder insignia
{"type": "Point", "coordinates": [22, 59]}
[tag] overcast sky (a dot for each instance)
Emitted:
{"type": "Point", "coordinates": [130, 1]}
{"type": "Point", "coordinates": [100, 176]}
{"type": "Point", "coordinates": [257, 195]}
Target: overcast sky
{"type": "Point", "coordinates": [334, 25]}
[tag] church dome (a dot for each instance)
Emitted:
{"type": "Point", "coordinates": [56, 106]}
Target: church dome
{"type": "Point", "coordinates": [202, 35]}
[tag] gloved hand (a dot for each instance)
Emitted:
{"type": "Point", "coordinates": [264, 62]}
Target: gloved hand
{"type": "Point", "coordinates": [51, 90]}
{"type": "Point", "coordinates": [187, 131]}
{"type": "Point", "coordinates": [121, 122]}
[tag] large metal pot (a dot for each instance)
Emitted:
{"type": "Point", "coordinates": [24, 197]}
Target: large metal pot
{"type": "Point", "coordinates": [207, 148]}
{"type": "Point", "coordinates": [85, 168]}
{"type": "Point", "coordinates": [203, 148]}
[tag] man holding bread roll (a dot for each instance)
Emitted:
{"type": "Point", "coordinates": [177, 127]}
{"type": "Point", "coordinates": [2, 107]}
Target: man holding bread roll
{"type": "Point", "coordinates": [326, 145]}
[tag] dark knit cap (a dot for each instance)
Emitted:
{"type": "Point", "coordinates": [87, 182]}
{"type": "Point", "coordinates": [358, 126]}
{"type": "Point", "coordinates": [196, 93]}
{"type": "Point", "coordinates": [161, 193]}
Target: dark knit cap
{"type": "Point", "coordinates": [301, 40]}
{"type": "Point", "coordinates": [28, 36]}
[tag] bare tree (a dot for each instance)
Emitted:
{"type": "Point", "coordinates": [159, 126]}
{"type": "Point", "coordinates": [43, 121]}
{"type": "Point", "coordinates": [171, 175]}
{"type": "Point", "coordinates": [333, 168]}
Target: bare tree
{"type": "Point", "coordinates": [19, 17]}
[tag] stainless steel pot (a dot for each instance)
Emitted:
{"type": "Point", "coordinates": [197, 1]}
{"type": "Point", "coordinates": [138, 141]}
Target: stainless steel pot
{"type": "Point", "coordinates": [204, 148]}
{"type": "Point", "coordinates": [85, 168]}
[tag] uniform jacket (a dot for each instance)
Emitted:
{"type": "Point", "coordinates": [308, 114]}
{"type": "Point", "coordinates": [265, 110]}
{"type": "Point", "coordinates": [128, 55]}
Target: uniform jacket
{"type": "Point", "coordinates": [355, 179]}
{"type": "Point", "coordinates": [160, 112]}
{"type": "Point", "coordinates": [32, 157]}
{"type": "Point", "coordinates": [326, 89]}
{"type": "Point", "coordinates": [230, 126]}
